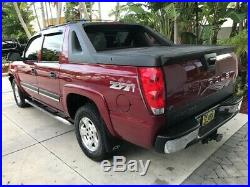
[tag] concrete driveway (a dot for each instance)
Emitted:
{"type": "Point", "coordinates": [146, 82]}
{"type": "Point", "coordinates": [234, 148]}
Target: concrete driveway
{"type": "Point", "coordinates": [39, 150]}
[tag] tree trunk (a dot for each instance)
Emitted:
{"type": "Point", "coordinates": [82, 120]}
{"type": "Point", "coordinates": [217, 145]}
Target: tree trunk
{"type": "Point", "coordinates": [99, 11]}
{"type": "Point", "coordinates": [175, 31]}
{"type": "Point", "coordinates": [241, 26]}
{"type": "Point", "coordinates": [234, 27]}
{"type": "Point", "coordinates": [197, 22]}
{"type": "Point", "coordinates": [47, 13]}
{"type": "Point", "coordinates": [51, 16]}
{"type": "Point", "coordinates": [22, 21]}
{"type": "Point", "coordinates": [43, 14]}
{"type": "Point", "coordinates": [214, 37]}
{"type": "Point", "coordinates": [234, 30]}
{"type": "Point", "coordinates": [34, 7]}
{"type": "Point", "coordinates": [90, 12]}
{"type": "Point", "coordinates": [117, 11]}
{"type": "Point", "coordinates": [58, 12]}
{"type": "Point", "coordinates": [83, 11]}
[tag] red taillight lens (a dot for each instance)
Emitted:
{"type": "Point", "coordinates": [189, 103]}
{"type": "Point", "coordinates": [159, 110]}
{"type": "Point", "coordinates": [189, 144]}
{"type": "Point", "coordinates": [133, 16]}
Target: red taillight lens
{"type": "Point", "coordinates": [153, 86]}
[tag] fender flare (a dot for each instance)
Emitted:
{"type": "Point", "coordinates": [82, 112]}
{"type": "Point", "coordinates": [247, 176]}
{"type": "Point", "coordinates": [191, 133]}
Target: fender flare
{"type": "Point", "coordinates": [93, 95]}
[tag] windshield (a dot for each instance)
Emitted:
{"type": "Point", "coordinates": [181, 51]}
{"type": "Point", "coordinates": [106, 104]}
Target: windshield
{"type": "Point", "coordinates": [111, 37]}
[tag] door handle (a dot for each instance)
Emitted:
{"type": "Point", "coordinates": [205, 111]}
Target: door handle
{"type": "Point", "coordinates": [52, 75]}
{"type": "Point", "coordinates": [33, 71]}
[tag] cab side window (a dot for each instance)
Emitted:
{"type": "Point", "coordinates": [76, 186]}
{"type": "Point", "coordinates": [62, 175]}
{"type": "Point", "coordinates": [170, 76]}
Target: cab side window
{"type": "Point", "coordinates": [33, 48]}
{"type": "Point", "coordinates": [52, 47]}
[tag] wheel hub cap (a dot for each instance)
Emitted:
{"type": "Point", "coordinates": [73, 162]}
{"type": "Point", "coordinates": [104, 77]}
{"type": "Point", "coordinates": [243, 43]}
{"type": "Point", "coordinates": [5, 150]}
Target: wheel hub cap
{"type": "Point", "coordinates": [17, 94]}
{"type": "Point", "coordinates": [89, 134]}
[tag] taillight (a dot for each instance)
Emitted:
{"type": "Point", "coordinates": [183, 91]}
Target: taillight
{"type": "Point", "coordinates": [153, 86]}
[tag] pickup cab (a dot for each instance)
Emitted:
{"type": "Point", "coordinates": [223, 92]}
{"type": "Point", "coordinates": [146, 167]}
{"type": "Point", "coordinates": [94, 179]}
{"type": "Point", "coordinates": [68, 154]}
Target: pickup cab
{"type": "Point", "coordinates": [117, 81]}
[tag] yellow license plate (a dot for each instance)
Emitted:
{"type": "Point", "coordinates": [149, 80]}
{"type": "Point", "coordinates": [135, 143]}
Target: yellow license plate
{"type": "Point", "coordinates": [208, 117]}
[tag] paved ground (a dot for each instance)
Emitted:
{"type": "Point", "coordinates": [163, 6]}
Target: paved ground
{"type": "Point", "coordinates": [228, 165]}
{"type": "Point", "coordinates": [39, 150]}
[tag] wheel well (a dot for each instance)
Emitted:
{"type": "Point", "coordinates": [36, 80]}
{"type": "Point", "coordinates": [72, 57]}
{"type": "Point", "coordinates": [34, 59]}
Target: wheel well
{"type": "Point", "coordinates": [75, 101]}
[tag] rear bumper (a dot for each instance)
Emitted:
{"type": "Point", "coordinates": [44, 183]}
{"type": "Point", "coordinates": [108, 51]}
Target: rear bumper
{"type": "Point", "coordinates": [190, 131]}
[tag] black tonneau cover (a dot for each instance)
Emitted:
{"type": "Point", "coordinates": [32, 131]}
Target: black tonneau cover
{"type": "Point", "coordinates": [158, 55]}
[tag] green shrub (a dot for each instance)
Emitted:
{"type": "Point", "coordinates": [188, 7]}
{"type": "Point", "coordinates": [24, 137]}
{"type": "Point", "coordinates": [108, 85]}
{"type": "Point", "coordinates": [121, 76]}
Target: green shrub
{"type": "Point", "coordinates": [4, 60]}
{"type": "Point", "coordinates": [240, 42]}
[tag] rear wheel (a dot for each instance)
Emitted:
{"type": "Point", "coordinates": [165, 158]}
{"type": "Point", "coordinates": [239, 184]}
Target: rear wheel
{"type": "Point", "coordinates": [91, 133]}
{"type": "Point", "coordinates": [18, 95]}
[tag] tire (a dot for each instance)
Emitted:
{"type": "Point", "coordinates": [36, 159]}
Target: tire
{"type": "Point", "coordinates": [18, 95]}
{"type": "Point", "coordinates": [91, 133]}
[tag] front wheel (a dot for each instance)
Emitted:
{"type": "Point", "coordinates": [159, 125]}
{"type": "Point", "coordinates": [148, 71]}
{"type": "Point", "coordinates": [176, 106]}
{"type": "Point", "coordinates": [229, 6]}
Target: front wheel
{"type": "Point", "coordinates": [18, 95]}
{"type": "Point", "coordinates": [90, 132]}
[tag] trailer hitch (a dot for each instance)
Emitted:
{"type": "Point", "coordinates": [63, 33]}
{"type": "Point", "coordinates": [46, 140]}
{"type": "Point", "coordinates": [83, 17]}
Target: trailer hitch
{"type": "Point", "coordinates": [214, 136]}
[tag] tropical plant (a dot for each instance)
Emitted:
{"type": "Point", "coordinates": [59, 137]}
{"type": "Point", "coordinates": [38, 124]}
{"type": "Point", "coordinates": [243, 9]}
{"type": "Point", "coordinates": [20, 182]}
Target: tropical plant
{"type": "Point", "coordinates": [75, 10]}
{"type": "Point", "coordinates": [47, 13]}
{"type": "Point", "coordinates": [51, 15]}
{"type": "Point", "coordinates": [117, 11]}
{"type": "Point", "coordinates": [99, 11]}
{"type": "Point", "coordinates": [37, 20]}
{"type": "Point", "coordinates": [43, 15]}
{"type": "Point", "coordinates": [22, 21]}
{"type": "Point", "coordinates": [58, 6]}
{"type": "Point", "coordinates": [159, 16]}
{"type": "Point", "coordinates": [83, 10]}
{"type": "Point", "coordinates": [240, 42]}
{"type": "Point", "coordinates": [189, 22]}
{"type": "Point", "coordinates": [215, 13]}
{"type": "Point", "coordinates": [237, 11]}
{"type": "Point", "coordinates": [11, 25]}
{"type": "Point", "coordinates": [71, 11]}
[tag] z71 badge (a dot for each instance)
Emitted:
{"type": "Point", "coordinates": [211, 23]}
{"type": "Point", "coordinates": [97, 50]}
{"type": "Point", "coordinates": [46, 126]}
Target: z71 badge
{"type": "Point", "coordinates": [128, 87]}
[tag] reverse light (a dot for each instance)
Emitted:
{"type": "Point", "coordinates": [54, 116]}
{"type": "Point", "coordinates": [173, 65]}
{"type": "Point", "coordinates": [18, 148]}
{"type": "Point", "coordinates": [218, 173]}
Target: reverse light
{"type": "Point", "coordinates": [153, 86]}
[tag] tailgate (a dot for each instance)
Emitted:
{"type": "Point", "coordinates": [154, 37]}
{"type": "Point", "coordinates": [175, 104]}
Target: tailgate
{"type": "Point", "coordinates": [195, 84]}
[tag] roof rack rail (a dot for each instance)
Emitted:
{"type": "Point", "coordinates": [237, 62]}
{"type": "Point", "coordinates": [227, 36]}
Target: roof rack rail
{"type": "Point", "coordinates": [92, 20]}
{"type": "Point", "coordinates": [54, 26]}
{"type": "Point", "coordinates": [77, 20]}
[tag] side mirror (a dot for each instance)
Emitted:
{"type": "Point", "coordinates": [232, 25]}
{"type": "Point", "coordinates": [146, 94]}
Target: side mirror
{"type": "Point", "coordinates": [12, 56]}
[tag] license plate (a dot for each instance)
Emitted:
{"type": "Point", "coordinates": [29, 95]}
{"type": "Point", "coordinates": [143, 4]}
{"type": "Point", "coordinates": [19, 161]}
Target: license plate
{"type": "Point", "coordinates": [208, 117]}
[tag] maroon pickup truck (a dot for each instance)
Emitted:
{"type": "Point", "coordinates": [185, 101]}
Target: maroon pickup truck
{"type": "Point", "coordinates": [117, 81]}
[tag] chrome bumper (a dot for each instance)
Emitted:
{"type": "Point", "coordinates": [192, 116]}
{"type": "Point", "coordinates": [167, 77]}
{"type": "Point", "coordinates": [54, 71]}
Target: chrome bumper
{"type": "Point", "coordinates": [172, 145]}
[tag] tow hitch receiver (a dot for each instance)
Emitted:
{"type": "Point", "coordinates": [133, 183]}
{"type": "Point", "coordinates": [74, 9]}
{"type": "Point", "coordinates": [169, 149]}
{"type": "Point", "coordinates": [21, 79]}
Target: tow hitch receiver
{"type": "Point", "coordinates": [214, 136]}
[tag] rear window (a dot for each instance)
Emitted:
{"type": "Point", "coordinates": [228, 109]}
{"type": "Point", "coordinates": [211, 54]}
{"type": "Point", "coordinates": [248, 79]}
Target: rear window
{"type": "Point", "coordinates": [111, 37]}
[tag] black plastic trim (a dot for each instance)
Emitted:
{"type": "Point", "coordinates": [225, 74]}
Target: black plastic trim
{"type": "Point", "coordinates": [48, 94]}
{"type": "Point", "coordinates": [41, 91]}
{"type": "Point", "coordinates": [29, 87]}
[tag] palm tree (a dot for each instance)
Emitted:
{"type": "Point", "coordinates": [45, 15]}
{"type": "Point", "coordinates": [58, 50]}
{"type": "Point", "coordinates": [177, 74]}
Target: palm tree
{"type": "Point", "coordinates": [51, 16]}
{"type": "Point", "coordinates": [43, 14]}
{"type": "Point", "coordinates": [34, 7]}
{"type": "Point", "coordinates": [22, 21]}
{"type": "Point", "coordinates": [47, 13]}
{"type": "Point", "coordinates": [99, 11]}
{"type": "Point", "coordinates": [90, 11]}
{"type": "Point", "coordinates": [83, 10]}
{"type": "Point", "coordinates": [117, 10]}
{"type": "Point", "coordinates": [58, 11]}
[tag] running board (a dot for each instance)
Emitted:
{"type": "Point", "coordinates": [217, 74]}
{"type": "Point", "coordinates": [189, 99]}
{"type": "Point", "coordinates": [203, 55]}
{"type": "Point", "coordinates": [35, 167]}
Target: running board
{"type": "Point", "coordinates": [59, 118]}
